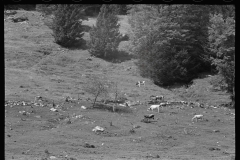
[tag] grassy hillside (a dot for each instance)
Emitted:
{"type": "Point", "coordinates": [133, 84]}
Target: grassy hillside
{"type": "Point", "coordinates": [36, 66]}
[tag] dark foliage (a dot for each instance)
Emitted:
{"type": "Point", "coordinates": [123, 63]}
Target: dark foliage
{"type": "Point", "coordinates": [105, 36]}
{"type": "Point", "coordinates": [67, 25]}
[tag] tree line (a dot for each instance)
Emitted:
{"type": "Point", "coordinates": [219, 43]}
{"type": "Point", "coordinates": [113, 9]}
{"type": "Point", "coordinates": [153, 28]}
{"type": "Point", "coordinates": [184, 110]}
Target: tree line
{"type": "Point", "coordinates": [173, 43]}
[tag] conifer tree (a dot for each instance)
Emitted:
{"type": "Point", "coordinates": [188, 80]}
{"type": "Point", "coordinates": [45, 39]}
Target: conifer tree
{"type": "Point", "coordinates": [170, 41]}
{"type": "Point", "coordinates": [105, 36]}
{"type": "Point", "coordinates": [67, 24]}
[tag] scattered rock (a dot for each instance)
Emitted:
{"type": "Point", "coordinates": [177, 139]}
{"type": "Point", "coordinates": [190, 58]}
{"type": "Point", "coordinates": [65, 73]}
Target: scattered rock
{"type": "Point", "coordinates": [9, 12]}
{"type": "Point", "coordinates": [22, 112]}
{"type": "Point", "coordinates": [136, 126]}
{"type": "Point", "coordinates": [86, 145]}
{"type": "Point", "coordinates": [98, 129]}
{"type": "Point", "coordinates": [83, 107]}
{"type": "Point", "coordinates": [53, 157]}
{"type": "Point", "coordinates": [46, 151]}
{"type": "Point", "coordinates": [153, 156]}
{"type": "Point", "coordinates": [54, 110]}
{"type": "Point", "coordinates": [226, 153]}
{"type": "Point", "coordinates": [214, 148]}
{"type": "Point", "coordinates": [213, 107]}
{"type": "Point", "coordinates": [19, 19]}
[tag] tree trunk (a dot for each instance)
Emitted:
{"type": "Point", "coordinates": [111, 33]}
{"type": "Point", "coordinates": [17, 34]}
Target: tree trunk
{"type": "Point", "coordinates": [116, 94]}
{"type": "Point", "coordinates": [95, 99]}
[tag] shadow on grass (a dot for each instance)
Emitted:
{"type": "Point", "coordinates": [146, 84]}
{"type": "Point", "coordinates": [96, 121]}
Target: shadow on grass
{"type": "Point", "coordinates": [118, 109]}
{"type": "Point", "coordinates": [120, 57]}
{"type": "Point", "coordinates": [177, 86]}
{"type": "Point", "coordinates": [80, 45]}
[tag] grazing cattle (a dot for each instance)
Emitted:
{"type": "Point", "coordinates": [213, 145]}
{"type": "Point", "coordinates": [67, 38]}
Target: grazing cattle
{"type": "Point", "coordinates": [150, 116]}
{"type": "Point", "coordinates": [139, 83]}
{"type": "Point", "coordinates": [159, 97]}
{"type": "Point", "coordinates": [156, 97]}
{"type": "Point", "coordinates": [152, 107]}
{"type": "Point", "coordinates": [197, 117]}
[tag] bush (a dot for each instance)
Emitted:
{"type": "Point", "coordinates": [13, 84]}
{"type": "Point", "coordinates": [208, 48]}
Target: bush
{"type": "Point", "coordinates": [67, 25]}
{"type": "Point", "coordinates": [105, 36]}
{"type": "Point", "coordinates": [97, 86]}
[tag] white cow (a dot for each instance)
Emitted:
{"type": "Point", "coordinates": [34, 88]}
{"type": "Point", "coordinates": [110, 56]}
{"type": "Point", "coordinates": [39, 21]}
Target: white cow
{"type": "Point", "coordinates": [152, 107]}
{"type": "Point", "coordinates": [197, 117]}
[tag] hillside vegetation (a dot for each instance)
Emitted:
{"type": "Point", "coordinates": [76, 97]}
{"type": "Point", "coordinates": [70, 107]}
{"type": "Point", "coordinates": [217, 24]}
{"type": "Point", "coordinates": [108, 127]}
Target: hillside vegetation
{"type": "Point", "coordinates": [37, 66]}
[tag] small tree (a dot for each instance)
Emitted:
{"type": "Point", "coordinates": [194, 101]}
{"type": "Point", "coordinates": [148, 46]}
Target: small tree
{"type": "Point", "coordinates": [118, 95]}
{"type": "Point", "coordinates": [67, 24]}
{"type": "Point", "coordinates": [97, 86]}
{"type": "Point", "coordinates": [105, 36]}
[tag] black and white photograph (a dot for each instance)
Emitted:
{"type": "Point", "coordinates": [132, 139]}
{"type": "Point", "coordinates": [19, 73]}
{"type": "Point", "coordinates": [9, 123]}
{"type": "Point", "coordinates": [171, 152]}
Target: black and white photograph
{"type": "Point", "coordinates": [119, 81]}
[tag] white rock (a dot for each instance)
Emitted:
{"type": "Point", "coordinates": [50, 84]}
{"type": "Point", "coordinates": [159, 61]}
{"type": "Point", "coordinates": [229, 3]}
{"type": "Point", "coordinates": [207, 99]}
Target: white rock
{"type": "Point", "coordinates": [53, 157]}
{"type": "Point", "coordinates": [53, 109]}
{"type": "Point", "coordinates": [98, 128]}
{"type": "Point", "coordinates": [83, 107]}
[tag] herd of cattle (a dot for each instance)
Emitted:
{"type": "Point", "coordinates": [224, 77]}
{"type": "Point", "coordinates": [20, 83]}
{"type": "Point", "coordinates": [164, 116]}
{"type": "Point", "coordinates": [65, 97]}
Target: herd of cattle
{"type": "Point", "coordinates": [155, 102]}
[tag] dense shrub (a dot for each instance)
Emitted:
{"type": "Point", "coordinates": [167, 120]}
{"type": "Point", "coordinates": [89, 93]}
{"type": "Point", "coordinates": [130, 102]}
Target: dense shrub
{"type": "Point", "coordinates": [67, 25]}
{"type": "Point", "coordinates": [97, 86]}
{"type": "Point", "coordinates": [170, 41]}
{"type": "Point", "coordinates": [105, 36]}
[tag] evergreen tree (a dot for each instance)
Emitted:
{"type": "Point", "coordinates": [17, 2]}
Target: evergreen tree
{"type": "Point", "coordinates": [170, 41]}
{"type": "Point", "coordinates": [67, 24]}
{"type": "Point", "coordinates": [105, 36]}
